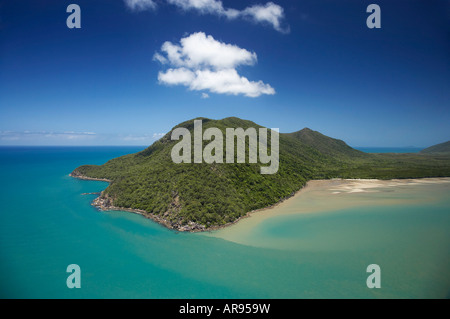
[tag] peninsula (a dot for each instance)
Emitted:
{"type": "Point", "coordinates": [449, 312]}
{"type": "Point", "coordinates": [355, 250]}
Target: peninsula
{"type": "Point", "coordinates": [201, 196]}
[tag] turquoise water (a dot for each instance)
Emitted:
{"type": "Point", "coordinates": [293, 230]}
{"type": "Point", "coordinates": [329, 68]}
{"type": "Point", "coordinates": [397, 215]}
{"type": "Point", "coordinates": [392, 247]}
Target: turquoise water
{"type": "Point", "coordinates": [46, 224]}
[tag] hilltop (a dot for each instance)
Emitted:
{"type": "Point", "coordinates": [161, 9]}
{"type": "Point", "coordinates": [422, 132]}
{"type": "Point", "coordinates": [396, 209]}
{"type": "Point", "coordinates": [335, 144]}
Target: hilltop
{"type": "Point", "coordinates": [203, 196]}
{"type": "Point", "coordinates": [325, 144]}
{"type": "Point", "coordinates": [443, 148]}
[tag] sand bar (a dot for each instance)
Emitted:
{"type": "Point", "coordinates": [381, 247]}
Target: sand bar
{"type": "Point", "coordinates": [323, 196]}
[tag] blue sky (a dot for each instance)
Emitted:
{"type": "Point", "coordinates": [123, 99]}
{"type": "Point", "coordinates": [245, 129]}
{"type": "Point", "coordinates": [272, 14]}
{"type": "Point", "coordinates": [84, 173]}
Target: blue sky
{"type": "Point", "coordinates": [283, 64]}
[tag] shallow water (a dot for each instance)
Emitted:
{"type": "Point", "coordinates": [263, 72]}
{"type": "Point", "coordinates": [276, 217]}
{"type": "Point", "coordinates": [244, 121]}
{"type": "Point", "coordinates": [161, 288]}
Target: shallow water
{"type": "Point", "coordinates": [318, 246]}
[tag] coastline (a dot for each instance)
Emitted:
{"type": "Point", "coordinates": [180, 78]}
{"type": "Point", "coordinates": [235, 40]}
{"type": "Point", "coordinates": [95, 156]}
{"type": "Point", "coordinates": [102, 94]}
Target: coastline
{"type": "Point", "coordinates": [85, 178]}
{"type": "Point", "coordinates": [103, 203]}
{"type": "Point", "coordinates": [339, 186]}
{"type": "Point", "coordinates": [323, 197]}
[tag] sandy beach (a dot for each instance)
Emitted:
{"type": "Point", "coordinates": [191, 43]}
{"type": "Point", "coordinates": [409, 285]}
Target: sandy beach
{"type": "Point", "coordinates": [322, 196]}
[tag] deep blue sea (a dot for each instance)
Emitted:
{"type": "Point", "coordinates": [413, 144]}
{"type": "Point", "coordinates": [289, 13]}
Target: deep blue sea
{"type": "Point", "coordinates": [47, 224]}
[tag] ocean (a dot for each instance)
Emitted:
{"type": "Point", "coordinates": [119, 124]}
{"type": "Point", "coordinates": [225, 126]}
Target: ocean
{"type": "Point", "coordinates": [47, 224]}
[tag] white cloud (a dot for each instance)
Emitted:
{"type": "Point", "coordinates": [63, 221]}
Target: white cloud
{"type": "Point", "coordinates": [46, 135]}
{"type": "Point", "coordinates": [204, 6]}
{"type": "Point", "coordinates": [199, 50]}
{"type": "Point", "coordinates": [158, 57]}
{"type": "Point", "coordinates": [140, 5]}
{"type": "Point", "coordinates": [158, 135]}
{"type": "Point", "coordinates": [179, 76]}
{"type": "Point", "coordinates": [205, 95]}
{"type": "Point", "coordinates": [148, 138]}
{"type": "Point", "coordinates": [200, 63]}
{"type": "Point", "coordinates": [228, 81]}
{"type": "Point", "coordinates": [74, 138]}
{"type": "Point", "coordinates": [269, 13]}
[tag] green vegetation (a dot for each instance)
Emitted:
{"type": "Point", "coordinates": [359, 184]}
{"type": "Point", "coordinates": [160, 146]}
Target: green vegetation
{"type": "Point", "coordinates": [216, 194]}
{"type": "Point", "coordinates": [443, 148]}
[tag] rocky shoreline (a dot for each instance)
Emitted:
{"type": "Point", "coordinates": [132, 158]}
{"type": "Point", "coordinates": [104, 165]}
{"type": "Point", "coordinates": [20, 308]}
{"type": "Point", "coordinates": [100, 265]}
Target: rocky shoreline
{"type": "Point", "coordinates": [104, 203]}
